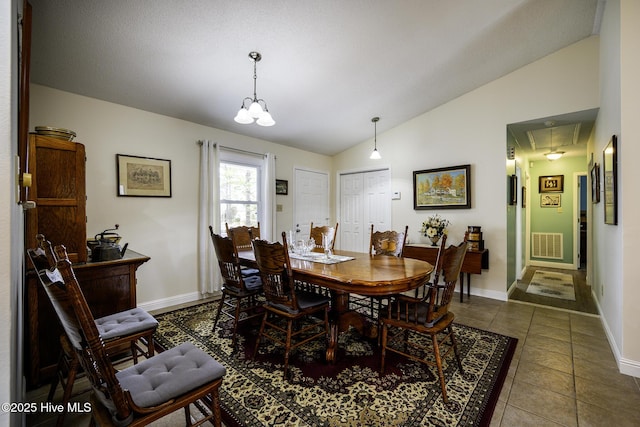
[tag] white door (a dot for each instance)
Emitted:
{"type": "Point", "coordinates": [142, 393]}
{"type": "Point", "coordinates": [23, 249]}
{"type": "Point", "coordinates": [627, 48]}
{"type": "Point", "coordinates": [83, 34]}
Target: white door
{"type": "Point", "coordinates": [311, 200]}
{"type": "Point", "coordinates": [365, 199]}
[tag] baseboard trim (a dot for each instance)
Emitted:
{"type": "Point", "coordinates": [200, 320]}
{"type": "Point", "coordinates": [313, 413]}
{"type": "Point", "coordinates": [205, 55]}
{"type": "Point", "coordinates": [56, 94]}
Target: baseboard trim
{"type": "Point", "coordinates": [547, 264]}
{"type": "Point", "coordinates": [625, 366]}
{"type": "Point", "coordinates": [174, 300]}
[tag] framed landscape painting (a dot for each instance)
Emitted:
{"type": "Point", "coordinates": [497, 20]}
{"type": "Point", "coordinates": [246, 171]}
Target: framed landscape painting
{"type": "Point", "coordinates": [442, 188]}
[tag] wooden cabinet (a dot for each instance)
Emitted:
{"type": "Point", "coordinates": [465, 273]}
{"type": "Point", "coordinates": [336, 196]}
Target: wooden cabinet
{"type": "Point", "coordinates": [108, 287]}
{"type": "Point", "coordinates": [58, 189]}
{"type": "Point", "coordinates": [474, 261]}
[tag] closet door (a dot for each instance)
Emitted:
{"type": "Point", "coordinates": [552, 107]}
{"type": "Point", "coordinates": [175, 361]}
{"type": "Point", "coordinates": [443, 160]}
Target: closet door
{"type": "Point", "coordinates": [311, 200]}
{"type": "Point", "coordinates": [365, 199]}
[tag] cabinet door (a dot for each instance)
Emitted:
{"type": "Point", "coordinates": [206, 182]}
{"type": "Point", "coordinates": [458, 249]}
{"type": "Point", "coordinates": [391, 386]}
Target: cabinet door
{"type": "Point", "coordinates": [58, 189]}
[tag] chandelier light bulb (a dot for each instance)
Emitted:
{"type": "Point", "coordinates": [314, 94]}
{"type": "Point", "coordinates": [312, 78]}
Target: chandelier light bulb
{"type": "Point", "coordinates": [243, 117]}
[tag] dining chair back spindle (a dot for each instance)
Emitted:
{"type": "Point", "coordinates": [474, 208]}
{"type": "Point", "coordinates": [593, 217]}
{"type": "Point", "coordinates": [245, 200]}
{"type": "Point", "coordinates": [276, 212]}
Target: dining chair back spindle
{"type": "Point", "coordinates": [285, 302]}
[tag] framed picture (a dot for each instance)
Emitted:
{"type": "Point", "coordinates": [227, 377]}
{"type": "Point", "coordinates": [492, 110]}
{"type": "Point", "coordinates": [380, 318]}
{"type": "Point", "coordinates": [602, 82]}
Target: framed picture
{"type": "Point", "coordinates": [143, 176]}
{"type": "Point", "coordinates": [550, 201]}
{"type": "Point", "coordinates": [513, 189]}
{"type": "Point", "coordinates": [610, 181]}
{"type": "Point", "coordinates": [551, 184]}
{"type": "Point", "coordinates": [282, 186]}
{"type": "Point", "coordinates": [523, 201]}
{"type": "Point", "coordinates": [595, 183]}
{"type": "Point", "coordinates": [442, 188]}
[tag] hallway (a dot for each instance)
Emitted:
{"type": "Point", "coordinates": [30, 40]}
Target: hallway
{"type": "Point", "coordinates": [584, 302]}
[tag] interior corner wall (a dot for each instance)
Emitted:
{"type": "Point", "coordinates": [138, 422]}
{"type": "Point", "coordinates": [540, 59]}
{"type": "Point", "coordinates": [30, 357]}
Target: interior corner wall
{"type": "Point", "coordinates": [161, 228]}
{"type": "Point", "coordinates": [629, 175]}
{"type": "Point", "coordinates": [471, 130]}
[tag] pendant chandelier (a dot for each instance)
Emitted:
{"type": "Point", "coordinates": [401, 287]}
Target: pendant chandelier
{"type": "Point", "coordinates": [257, 109]}
{"type": "Point", "coordinates": [553, 154]}
{"type": "Point", "coordinates": [375, 155]}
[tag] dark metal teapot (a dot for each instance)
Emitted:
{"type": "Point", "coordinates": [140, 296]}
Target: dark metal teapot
{"type": "Point", "coordinates": [105, 246]}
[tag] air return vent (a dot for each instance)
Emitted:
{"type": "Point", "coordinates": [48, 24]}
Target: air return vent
{"type": "Point", "coordinates": [546, 245]}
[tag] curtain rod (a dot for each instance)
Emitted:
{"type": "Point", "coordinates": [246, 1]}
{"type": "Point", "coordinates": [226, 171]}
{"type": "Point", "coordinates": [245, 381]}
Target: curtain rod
{"type": "Point", "coordinates": [237, 150]}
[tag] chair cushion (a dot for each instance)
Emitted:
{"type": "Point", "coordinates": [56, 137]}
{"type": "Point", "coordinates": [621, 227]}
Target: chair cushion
{"type": "Point", "coordinates": [252, 283]}
{"type": "Point", "coordinates": [125, 323]}
{"type": "Point", "coordinates": [305, 300]}
{"type": "Point", "coordinates": [310, 299]}
{"type": "Point", "coordinates": [247, 272]}
{"type": "Point", "coordinates": [169, 374]}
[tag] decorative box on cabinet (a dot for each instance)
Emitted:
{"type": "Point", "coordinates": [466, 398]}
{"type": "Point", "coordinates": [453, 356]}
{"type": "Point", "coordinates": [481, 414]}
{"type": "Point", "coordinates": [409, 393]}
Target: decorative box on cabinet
{"type": "Point", "coordinates": [57, 167]}
{"type": "Point", "coordinates": [474, 261]}
{"type": "Point", "coordinates": [108, 286]}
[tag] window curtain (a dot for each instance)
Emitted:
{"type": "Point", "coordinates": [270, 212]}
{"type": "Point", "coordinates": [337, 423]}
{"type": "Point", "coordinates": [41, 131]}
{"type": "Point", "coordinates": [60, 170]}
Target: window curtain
{"type": "Point", "coordinates": [269, 199]}
{"type": "Point", "coordinates": [209, 278]}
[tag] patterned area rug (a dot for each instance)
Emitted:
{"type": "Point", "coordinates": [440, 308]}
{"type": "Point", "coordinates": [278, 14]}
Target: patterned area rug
{"type": "Point", "coordinates": [350, 392]}
{"type": "Point", "coordinates": [552, 284]}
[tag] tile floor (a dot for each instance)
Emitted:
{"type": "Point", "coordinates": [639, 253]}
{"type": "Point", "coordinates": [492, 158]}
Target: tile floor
{"type": "Point", "coordinates": [563, 372]}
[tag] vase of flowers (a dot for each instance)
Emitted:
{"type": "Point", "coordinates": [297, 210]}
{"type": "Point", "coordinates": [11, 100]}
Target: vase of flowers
{"type": "Point", "coordinates": [434, 227]}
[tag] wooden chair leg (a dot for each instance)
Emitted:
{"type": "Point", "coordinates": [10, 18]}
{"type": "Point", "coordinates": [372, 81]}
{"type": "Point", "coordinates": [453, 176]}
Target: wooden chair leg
{"type": "Point", "coordinates": [436, 350]}
{"type": "Point", "coordinates": [287, 349]}
{"type": "Point", "coordinates": [264, 321]}
{"type": "Point", "coordinates": [455, 348]}
{"type": "Point", "coordinates": [215, 320]}
{"type": "Point", "coordinates": [383, 343]}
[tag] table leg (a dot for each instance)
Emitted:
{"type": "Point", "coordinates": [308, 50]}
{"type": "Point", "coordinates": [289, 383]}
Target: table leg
{"type": "Point", "coordinates": [461, 287]}
{"type": "Point", "coordinates": [341, 317]}
{"type": "Point", "coordinates": [468, 285]}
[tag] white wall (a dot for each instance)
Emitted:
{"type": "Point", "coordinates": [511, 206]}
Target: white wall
{"type": "Point", "coordinates": [162, 228]}
{"type": "Point", "coordinates": [615, 247]}
{"type": "Point", "coordinates": [472, 130]}
{"type": "Point", "coordinates": [9, 265]}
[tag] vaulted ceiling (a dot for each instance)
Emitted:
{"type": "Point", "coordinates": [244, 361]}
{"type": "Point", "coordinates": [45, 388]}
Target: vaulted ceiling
{"type": "Point", "coordinates": [327, 66]}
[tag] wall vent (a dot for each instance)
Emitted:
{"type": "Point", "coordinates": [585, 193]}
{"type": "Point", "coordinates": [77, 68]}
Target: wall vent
{"type": "Point", "coordinates": [546, 245]}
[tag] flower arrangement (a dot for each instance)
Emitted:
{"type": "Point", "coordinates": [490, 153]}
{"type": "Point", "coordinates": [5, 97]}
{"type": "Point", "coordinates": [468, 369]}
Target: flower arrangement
{"type": "Point", "coordinates": [434, 227]}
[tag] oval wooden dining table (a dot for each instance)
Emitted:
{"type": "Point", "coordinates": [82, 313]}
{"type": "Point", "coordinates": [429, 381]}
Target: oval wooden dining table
{"type": "Point", "coordinates": [363, 274]}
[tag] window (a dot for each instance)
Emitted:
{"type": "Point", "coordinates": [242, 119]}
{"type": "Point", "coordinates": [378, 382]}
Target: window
{"type": "Point", "coordinates": [239, 192]}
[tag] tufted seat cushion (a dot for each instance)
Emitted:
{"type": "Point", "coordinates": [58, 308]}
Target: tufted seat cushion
{"type": "Point", "coordinates": [125, 323]}
{"type": "Point", "coordinates": [169, 374]}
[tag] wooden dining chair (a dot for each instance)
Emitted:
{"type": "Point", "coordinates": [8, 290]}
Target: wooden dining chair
{"type": "Point", "coordinates": [316, 233]}
{"type": "Point", "coordinates": [144, 392]}
{"type": "Point", "coordinates": [239, 291]}
{"type": "Point", "coordinates": [284, 301]}
{"type": "Point", "coordinates": [390, 243]}
{"type": "Point", "coordinates": [243, 235]}
{"type": "Point", "coordinates": [429, 317]}
{"type": "Point", "coordinates": [130, 330]}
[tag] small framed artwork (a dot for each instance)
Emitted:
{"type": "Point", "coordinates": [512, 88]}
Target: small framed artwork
{"type": "Point", "coordinates": [143, 176]}
{"type": "Point", "coordinates": [610, 181]}
{"type": "Point", "coordinates": [282, 187]}
{"type": "Point", "coordinates": [442, 188]}
{"type": "Point", "coordinates": [550, 201]}
{"type": "Point", "coordinates": [551, 184]}
{"type": "Point", "coordinates": [513, 189]}
{"type": "Point", "coordinates": [523, 201]}
{"type": "Point", "coordinates": [595, 183]}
